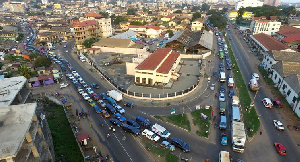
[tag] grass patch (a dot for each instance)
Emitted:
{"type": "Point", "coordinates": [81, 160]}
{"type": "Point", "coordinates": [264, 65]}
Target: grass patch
{"type": "Point", "coordinates": [179, 120]}
{"type": "Point", "coordinates": [203, 124]}
{"type": "Point", "coordinates": [169, 156]}
{"type": "Point", "coordinates": [251, 120]}
{"type": "Point", "coordinates": [65, 145]}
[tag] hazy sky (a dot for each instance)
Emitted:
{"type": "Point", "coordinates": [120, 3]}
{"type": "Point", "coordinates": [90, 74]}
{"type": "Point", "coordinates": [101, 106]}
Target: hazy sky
{"type": "Point", "coordinates": [291, 1]}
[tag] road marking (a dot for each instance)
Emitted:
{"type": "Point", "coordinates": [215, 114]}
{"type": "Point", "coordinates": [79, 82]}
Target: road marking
{"type": "Point", "coordinates": [123, 148]}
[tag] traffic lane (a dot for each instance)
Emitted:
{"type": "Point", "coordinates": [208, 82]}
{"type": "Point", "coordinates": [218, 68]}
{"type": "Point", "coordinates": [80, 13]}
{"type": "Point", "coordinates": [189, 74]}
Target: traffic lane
{"type": "Point", "coordinates": [271, 114]}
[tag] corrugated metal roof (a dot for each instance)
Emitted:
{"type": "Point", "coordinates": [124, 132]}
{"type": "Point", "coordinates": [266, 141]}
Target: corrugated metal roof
{"type": "Point", "coordinates": [166, 66]}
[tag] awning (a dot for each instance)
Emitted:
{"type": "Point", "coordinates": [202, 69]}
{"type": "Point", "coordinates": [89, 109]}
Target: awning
{"type": "Point", "coordinates": [82, 137]}
{"type": "Point", "coordinates": [33, 79]}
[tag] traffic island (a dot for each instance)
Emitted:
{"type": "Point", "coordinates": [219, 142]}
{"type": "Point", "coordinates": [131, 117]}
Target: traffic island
{"type": "Point", "coordinates": [251, 119]}
{"type": "Point", "coordinates": [180, 120]}
{"type": "Point", "coordinates": [202, 119]}
{"type": "Point", "coordinates": [163, 153]}
{"type": "Point", "coordinates": [65, 145]}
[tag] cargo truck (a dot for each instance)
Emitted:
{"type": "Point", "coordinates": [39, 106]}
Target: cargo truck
{"type": "Point", "coordinates": [238, 136]}
{"type": "Point", "coordinates": [115, 95]}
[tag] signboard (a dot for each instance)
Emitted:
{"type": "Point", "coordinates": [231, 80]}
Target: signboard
{"type": "Point", "coordinates": [245, 15]}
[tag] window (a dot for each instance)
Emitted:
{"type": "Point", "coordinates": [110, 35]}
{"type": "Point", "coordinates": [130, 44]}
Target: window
{"type": "Point", "coordinates": [289, 92]}
{"type": "Point", "coordinates": [294, 99]}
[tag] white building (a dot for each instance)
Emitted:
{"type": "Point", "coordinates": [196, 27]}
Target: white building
{"type": "Point", "coordinates": [197, 25]}
{"type": "Point", "coordinates": [105, 27]}
{"type": "Point", "coordinates": [248, 3]}
{"type": "Point", "coordinates": [153, 31]}
{"type": "Point", "coordinates": [265, 26]}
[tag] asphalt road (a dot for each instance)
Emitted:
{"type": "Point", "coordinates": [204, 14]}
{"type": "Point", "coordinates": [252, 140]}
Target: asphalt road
{"type": "Point", "coordinates": [262, 149]}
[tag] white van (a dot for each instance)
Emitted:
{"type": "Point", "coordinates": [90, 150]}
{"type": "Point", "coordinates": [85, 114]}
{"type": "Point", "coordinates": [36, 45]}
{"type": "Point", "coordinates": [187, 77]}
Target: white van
{"type": "Point", "coordinates": [160, 130]}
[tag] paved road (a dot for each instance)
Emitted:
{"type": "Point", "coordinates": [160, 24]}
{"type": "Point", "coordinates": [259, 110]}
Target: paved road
{"type": "Point", "coordinates": [262, 147]}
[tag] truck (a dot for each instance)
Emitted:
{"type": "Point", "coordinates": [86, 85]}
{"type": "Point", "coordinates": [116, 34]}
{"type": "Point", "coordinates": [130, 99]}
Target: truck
{"type": "Point", "coordinates": [224, 156]}
{"type": "Point", "coordinates": [160, 130]}
{"type": "Point", "coordinates": [115, 95]}
{"type": "Point", "coordinates": [222, 107]}
{"type": "Point", "coordinates": [222, 77]}
{"type": "Point", "coordinates": [236, 116]}
{"type": "Point", "coordinates": [253, 84]}
{"type": "Point", "coordinates": [235, 101]}
{"type": "Point", "coordinates": [238, 136]}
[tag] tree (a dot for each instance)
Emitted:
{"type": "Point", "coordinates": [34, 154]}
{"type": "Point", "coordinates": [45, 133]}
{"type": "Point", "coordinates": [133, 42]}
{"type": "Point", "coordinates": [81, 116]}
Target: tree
{"type": "Point", "coordinates": [196, 16]}
{"type": "Point", "coordinates": [131, 11]}
{"type": "Point", "coordinates": [1, 27]}
{"type": "Point", "coordinates": [205, 7]}
{"type": "Point", "coordinates": [239, 18]}
{"type": "Point", "coordinates": [119, 19]}
{"type": "Point", "coordinates": [104, 14]}
{"type": "Point", "coordinates": [88, 43]}
{"type": "Point", "coordinates": [33, 55]}
{"type": "Point", "coordinates": [9, 57]}
{"type": "Point", "coordinates": [178, 12]}
{"type": "Point", "coordinates": [224, 10]}
{"type": "Point", "coordinates": [291, 10]}
{"type": "Point", "coordinates": [218, 20]}
{"type": "Point", "coordinates": [23, 70]}
{"type": "Point", "coordinates": [20, 37]}
{"type": "Point", "coordinates": [170, 33]}
{"type": "Point", "coordinates": [195, 8]}
{"type": "Point", "coordinates": [145, 9]}
{"type": "Point", "coordinates": [42, 61]}
{"type": "Point", "coordinates": [136, 23]}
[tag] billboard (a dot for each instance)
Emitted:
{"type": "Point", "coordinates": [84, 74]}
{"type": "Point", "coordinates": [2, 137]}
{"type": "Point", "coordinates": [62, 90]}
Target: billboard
{"type": "Point", "coordinates": [245, 15]}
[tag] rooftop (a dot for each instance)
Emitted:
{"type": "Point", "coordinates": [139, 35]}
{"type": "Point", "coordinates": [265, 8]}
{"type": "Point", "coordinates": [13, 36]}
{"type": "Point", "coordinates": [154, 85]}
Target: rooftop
{"type": "Point", "coordinates": [86, 23]}
{"type": "Point", "coordinates": [92, 14]}
{"type": "Point", "coordinates": [168, 63]}
{"type": "Point", "coordinates": [125, 35]}
{"type": "Point", "coordinates": [152, 62]}
{"type": "Point", "coordinates": [9, 89]}
{"type": "Point", "coordinates": [269, 42]}
{"type": "Point", "coordinates": [292, 38]}
{"type": "Point", "coordinates": [286, 30]}
{"type": "Point", "coordinates": [285, 56]}
{"type": "Point", "coordinates": [16, 121]}
{"type": "Point", "coordinates": [113, 42]}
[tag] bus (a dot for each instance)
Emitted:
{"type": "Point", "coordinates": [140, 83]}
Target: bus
{"type": "Point", "coordinates": [221, 55]}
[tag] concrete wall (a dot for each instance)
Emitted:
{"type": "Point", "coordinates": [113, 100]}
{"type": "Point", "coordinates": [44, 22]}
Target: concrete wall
{"type": "Point", "coordinates": [190, 56]}
{"type": "Point", "coordinates": [123, 50]}
{"type": "Point", "coordinates": [130, 68]}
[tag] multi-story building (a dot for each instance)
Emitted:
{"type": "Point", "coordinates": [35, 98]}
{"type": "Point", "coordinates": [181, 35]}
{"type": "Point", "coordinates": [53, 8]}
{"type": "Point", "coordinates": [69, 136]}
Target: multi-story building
{"type": "Point", "coordinates": [85, 30]}
{"type": "Point", "coordinates": [261, 25]}
{"type": "Point", "coordinates": [272, 2]}
{"type": "Point", "coordinates": [248, 3]}
{"type": "Point", "coordinates": [197, 25]}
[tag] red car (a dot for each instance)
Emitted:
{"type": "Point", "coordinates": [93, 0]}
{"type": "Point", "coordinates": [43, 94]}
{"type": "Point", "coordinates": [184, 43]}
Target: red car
{"type": "Point", "coordinates": [95, 96]}
{"type": "Point", "coordinates": [280, 148]}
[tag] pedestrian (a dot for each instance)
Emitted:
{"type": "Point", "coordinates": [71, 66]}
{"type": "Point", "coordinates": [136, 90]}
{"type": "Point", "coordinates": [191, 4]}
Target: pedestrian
{"type": "Point", "coordinates": [260, 132]}
{"type": "Point", "coordinates": [76, 112]}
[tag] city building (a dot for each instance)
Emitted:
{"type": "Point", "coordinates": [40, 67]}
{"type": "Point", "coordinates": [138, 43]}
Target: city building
{"type": "Point", "coordinates": [272, 2]}
{"type": "Point", "coordinates": [104, 24]}
{"type": "Point", "coordinates": [85, 30]}
{"type": "Point", "coordinates": [286, 31]}
{"type": "Point", "coordinates": [158, 68]}
{"type": "Point", "coordinates": [197, 25]}
{"type": "Point", "coordinates": [22, 138]}
{"type": "Point", "coordinates": [248, 3]}
{"type": "Point", "coordinates": [153, 31]}
{"type": "Point", "coordinates": [261, 25]}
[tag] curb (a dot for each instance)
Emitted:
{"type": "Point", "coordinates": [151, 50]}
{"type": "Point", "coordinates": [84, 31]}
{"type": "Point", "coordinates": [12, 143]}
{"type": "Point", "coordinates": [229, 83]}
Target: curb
{"type": "Point", "coordinates": [170, 124]}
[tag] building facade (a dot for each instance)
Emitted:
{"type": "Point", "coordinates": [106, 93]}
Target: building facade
{"type": "Point", "coordinates": [86, 30]}
{"type": "Point", "coordinates": [265, 26]}
{"type": "Point", "coordinates": [197, 25]}
{"type": "Point", "coordinates": [248, 3]}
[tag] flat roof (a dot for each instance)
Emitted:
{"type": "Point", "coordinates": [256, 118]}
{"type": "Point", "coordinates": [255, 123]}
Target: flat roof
{"type": "Point", "coordinates": [9, 88]}
{"type": "Point", "coordinates": [152, 62]}
{"type": "Point", "coordinates": [16, 121]}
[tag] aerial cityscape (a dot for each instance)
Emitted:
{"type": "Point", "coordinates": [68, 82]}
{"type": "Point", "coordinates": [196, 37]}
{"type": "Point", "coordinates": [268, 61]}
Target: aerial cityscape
{"type": "Point", "coordinates": [150, 80]}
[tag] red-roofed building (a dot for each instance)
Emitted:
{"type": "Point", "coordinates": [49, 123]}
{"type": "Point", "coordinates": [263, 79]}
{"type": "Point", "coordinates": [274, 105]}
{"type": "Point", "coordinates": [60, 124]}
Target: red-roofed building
{"type": "Point", "coordinates": [286, 31]}
{"type": "Point", "coordinates": [267, 43]}
{"type": "Point", "coordinates": [292, 41]}
{"type": "Point", "coordinates": [93, 15]}
{"type": "Point", "coordinates": [137, 28]}
{"type": "Point", "coordinates": [85, 30]}
{"type": "Point", "coordinates": [168, 18]}
{"type": "Point", "coordinates": [158, 68]}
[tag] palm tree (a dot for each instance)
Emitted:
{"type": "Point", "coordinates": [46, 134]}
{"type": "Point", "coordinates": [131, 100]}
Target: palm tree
{"type": "Point", "coordinates": [23, 70]}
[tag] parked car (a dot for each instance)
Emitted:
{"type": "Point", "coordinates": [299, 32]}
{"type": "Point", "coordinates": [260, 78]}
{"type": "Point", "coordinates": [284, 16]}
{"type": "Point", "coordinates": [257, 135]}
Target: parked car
{"type": "Point", "coordinates": [224, 139]}
{"type": "Point", "coordinates": [280, 148]}
{"type": "Point", "coordinates": [95, 96]}
{"type": "Point", "coordinates": [120, 117]}
{"type": "Point", "coordinates": [86, 96]}
{"type": "Point", "coordinates": [92, 103]}
{"type": "Point", "coordinates": [267, 102]}
{"type": "Point", "coordinates": [95, 85]}
{"type": "Point", "coordinates": [212, 87]}
{"type": "Point", "coordinates": [231, 93]}
{"type": "Point", "coordinates": [222, 97]}
{"type": "Point", "coordinates": [167, 145]}
{"type": "Point", "coordinates": [97, 109]}
{"type": "Point", "coordinates": [105, 114]}
{"type": "Point", "coordinates": [90, 90]}
{"type": "Point", "coordinates": [133, 123]}
{"type": "Point", "coordinates": [115, 122]}
{"type": "Point", "coordinates": [80, 91]}
{"type": "Point", "coordinates": [102, 103]}
{"type": "Point", "coordinates": [222, 89]}
{"type": "Point", "coordinates": [120, 109]}
{"type": "Point", "coordinates": [129, 104]}
{"type": "Point", "coordinates": [181, 144]}
{"type": "Point", "coordinates": [104, 96]}
{"type": "Point", "coordinates": [278, 125]}
{"type": "Point", "coordinates": [63, 85]}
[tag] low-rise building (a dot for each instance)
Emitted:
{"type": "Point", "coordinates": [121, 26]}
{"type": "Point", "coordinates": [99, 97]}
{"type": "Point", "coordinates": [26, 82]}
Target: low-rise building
{"type": "Point", "coordinates": [158, 68]}
{"type": "Point", "coordinates": [168, 18]}
{"type": "Point", "coordinates": [197, 25]}
{"type": "Point", "coordinates": [153, 31]}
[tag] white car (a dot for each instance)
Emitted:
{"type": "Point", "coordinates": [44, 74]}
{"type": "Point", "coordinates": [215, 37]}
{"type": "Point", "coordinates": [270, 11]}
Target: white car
{"type": "Point", "coordinates": [67, 51]}
{"type": "Point", "coordinates": [84, 84]}
{"type": "Point", "coordinates": [63, 85]}
{"type": "Point", "coordinates": [278, 125]}
{"type": "Point", "coordinates": [267, 102]}
{"type": "Point", "coordinates": [222, 97]}
{"type": "Point", "coordinates": [212, 87]}
{"type": "Point", "coordinates": [86, 96]}
{"type": "Point", "coordinates": [90, 90]}
{"type": "Point", "coordinates": [80, 91]}
{"type": "Point", "coordinates": [150, 135]}
{"type": "Point", "coordinates": [120, 109]}
{"type": "Point", "coordinates": [70, 76]}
